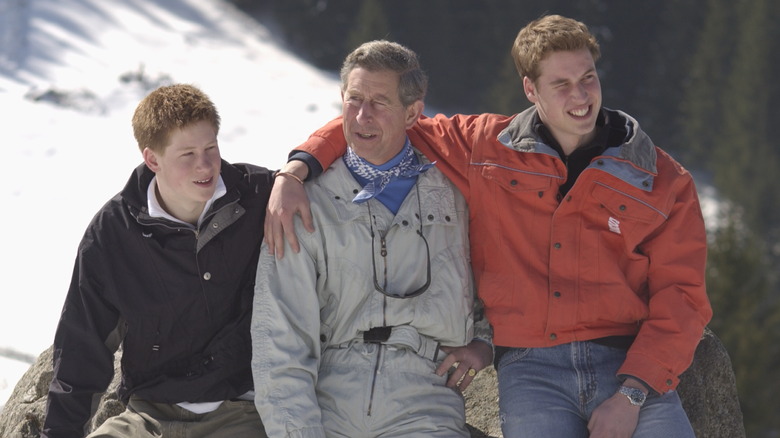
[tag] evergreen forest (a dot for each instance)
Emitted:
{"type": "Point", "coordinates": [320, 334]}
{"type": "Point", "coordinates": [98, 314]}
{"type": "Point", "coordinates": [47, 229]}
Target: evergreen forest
{"type": "Point", "coordinates": [699, 75]}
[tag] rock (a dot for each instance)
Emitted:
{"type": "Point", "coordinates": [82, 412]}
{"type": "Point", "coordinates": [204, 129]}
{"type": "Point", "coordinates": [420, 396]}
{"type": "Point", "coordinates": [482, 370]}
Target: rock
{"type": "Point", "coordinates": [23, 415]}
{"type": "Point", "coordinates": [482, 405]}
{"type": "Point", "coordinates": [707, 389]}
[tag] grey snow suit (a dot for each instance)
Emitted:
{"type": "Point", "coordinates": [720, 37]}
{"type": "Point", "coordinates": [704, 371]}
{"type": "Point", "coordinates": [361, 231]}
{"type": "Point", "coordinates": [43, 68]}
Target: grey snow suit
{"type": "Point", "coordinates": [320, 374]}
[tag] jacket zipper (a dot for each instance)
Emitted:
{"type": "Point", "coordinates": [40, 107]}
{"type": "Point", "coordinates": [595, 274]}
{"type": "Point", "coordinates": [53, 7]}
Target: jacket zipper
{"type": "Point", "coordinates": [373, 379]}
{"type": "Point", "coordinates": [383, 253]}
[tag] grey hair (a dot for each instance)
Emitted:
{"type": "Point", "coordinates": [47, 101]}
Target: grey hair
{"type": "Point", "coordinates": [385, 55]}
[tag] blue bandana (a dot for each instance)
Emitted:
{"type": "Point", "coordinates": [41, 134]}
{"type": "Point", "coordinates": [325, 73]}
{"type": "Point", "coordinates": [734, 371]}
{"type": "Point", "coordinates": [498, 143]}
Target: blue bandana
{"type": "Point", "coordinates": [379, 179]}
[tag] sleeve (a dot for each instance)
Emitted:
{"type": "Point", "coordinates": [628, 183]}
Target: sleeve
{"type": "Point", "coordinates": [678, 308]}
{"type": "Point", "coordinates": [86, 339]}
{"type": "Point", "coordinates": [326, 144]}
{"type": "Point", "coordinates": [447, 140]}
{"type": "Point", "coordinates": [286, 345]}
{"type": "Point", "coordinates": [483, 331]}
{"type": "Point", "coordinates": [315, 169]}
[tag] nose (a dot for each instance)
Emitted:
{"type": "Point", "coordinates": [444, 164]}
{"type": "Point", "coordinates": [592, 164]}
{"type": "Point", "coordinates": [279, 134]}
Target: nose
{"type": "Point", "coordinates": [204, 161]}
{"type": "Point", "coordinates": [364, 113]}
{"type": "Point", "coordinates": [581, 91]}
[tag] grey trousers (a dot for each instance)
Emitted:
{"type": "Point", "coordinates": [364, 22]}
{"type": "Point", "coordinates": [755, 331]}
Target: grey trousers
{"type": "Point", "coordinates": [141, 419]}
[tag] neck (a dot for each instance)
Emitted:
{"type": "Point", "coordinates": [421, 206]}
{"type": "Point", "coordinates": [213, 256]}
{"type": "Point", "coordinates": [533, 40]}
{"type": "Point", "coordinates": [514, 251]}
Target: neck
{"type": "Point", "coordinates": [189, 216]}
{"type": "Point", "coordinates": [569, 145]}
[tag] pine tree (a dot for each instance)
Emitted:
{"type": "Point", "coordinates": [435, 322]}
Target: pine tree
{"type": "Point", "coordinates": [746, 317]}
{"type": "Point", "coordinates": [743, 152]}
{"type": "Point", "coordinates": [702, 99]}
{"type": "Point", "coordinates": [369, 24]}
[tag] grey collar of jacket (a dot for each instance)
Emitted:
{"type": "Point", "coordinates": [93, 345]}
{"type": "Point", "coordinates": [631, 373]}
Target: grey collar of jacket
{"type": "Point", "coordinates": [638, 148]}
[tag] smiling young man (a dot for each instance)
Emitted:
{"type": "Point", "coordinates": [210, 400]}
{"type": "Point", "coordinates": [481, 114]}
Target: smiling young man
{"type": "Point", "coordinates": [587, 243]}
{"type": "Point", "coordinates": [166, 271]}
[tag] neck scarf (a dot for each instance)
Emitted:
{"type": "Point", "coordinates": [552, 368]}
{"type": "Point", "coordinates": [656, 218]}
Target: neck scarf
{"type": "Point", "coordinates": [379, 179]}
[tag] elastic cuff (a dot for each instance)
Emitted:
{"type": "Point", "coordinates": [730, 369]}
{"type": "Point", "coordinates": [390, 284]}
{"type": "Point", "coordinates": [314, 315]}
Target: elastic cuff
{"type": "Point", "coordinates": [315, 168]}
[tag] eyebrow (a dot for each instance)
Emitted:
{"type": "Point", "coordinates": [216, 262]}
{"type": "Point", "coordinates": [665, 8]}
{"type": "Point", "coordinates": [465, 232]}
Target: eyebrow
{"type": "Point", "coordinates": [564, 80]}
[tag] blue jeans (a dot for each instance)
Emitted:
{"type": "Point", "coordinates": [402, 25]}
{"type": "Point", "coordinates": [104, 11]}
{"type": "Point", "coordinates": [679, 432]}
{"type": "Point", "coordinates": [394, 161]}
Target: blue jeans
{"type": "Point", "coordinates": [553, 392]}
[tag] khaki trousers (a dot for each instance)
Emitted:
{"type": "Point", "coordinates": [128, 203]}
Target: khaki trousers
{"type": "Point", "coordinates": [141, 419]}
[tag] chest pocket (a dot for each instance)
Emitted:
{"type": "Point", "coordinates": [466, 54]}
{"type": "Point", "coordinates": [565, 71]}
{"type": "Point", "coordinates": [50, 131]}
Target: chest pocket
{"type": "Point", "coordinates": [624, 206]}
{"type": "Point", "coordinates": [515, 180]}
{"type": "Point", "coordinates": [438, 206]}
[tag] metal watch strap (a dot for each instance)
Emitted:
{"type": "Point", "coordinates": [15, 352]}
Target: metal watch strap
{"type": "Point", "coordinates": [634, 395]}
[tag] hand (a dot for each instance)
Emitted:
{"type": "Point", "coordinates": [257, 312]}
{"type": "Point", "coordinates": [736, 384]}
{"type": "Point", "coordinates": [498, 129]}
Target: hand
{"type": "Point", "coordinates": [616, 417]}
{"type": "Point", "coordinates": [288, 197]}
{"type": "Point", "coordinates": [474, 356]}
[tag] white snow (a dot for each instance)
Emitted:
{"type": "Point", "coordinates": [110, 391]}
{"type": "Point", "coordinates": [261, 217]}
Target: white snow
{"type": "Point", "coordinates": [63, 162]}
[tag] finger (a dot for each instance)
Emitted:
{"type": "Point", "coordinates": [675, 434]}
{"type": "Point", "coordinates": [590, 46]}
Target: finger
{"type": "Point", "coordinates": [308, 223]}
{"type": "Point", "coordinates": [446, 364]}
{"type": "Point", "coordinates": [268, 234]}
{"type": "Point", "coordinates": [277, 232]}
{"type": "Point", "coordinates": [461, 377]}
{"type": "Point", "coordinates": [467, 379]}
{"type": "Point", "coordinates": [292, 239]}
{"type": "Point", "coordinates": [455, 378]}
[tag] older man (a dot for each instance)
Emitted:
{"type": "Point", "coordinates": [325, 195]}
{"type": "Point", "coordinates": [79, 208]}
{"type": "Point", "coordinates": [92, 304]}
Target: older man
{"type": "Point", "coordinates": [347, 332]}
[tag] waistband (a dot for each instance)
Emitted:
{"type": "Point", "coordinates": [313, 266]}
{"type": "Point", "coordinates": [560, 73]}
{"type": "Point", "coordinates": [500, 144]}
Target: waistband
{"type": "Point", "coordinates": [622, 342]}
{"type": "Point", "coordinates": [404, 336]}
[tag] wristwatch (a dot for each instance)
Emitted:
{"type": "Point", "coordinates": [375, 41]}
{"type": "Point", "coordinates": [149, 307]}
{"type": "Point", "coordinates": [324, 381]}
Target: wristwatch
{"type": "Point", "coordinates": [635, 396]}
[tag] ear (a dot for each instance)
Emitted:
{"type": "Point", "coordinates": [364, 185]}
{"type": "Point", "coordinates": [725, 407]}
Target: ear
{"type": "Point", "coordinates": [529, 89]}
{"type": "Point", "coordinates": [413, 112]}
{"type": "Point", "coordinates": [150, 158]}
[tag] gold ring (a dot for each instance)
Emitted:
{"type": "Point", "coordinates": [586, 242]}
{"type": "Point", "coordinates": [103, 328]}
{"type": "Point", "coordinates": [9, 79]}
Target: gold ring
{"type": "Point", "coordinates": [472, 372]}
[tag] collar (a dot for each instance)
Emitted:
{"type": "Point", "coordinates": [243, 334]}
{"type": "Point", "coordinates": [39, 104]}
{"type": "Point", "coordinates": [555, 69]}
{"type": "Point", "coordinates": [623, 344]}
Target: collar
{"type": "Point", "coordinates": [403, 165]}
{"type": "Point", "coordinates": [156, 210]}
{"type": "Point", "coordinates": [631, 149]}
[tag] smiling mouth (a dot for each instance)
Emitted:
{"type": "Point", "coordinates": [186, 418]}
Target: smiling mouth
{"type": "Point", "coordinates": [204, 181]}
{"type": "Point", "coordinates": [580, 112]}
{"type": "Point", "coordinates": [365, 136]}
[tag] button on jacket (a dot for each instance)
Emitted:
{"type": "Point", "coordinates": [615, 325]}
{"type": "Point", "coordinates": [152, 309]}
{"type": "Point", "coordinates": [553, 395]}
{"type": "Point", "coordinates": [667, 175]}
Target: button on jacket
{"type": "Point", "coordinates": [623, 253]}
{"type": "Point", "coordinates": [177, 299]}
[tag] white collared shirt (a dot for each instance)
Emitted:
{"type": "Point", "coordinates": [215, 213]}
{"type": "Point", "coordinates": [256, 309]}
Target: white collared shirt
{"type": "Point", "coordinates": [156, 210]}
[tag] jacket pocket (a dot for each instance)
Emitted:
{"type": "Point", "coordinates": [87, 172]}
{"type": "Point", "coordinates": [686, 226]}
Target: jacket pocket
{"type": "Point", "coordinates": [624, 205]}
{"type": "Point", "coordinates": [142, 342]}
{"type": "Point", "coordinates": [514, 180]}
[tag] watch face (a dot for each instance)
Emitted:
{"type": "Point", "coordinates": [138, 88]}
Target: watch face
{"type": "Point", "coordinates": [635, 396]}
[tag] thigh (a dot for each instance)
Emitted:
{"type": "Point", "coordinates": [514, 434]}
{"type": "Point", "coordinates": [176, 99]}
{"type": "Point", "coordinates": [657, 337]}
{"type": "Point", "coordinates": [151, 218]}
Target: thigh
{"type": "Point", "coordinates": [414, 402]}
{"type": "Point", "coordinates": [663, 416]}
{"type": "Point", "coordinates": [538, 394]}
{"type": "Point", "coordinates": [128, 424]}
{"type": "Point", "coordinates": [400, 396]}
{"type": "Point", "coordinates": [233, 418]}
